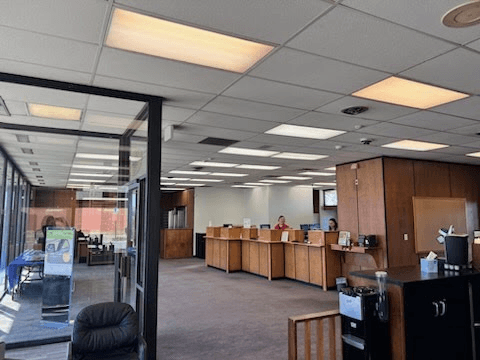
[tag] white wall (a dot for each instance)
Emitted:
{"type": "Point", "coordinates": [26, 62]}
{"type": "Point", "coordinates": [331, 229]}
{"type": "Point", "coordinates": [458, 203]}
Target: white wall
{"type": "Point", "coordinates": [295, 203]}
{"type": "Point", "coordinates": [256, 205]}
{"type": "Point", "coordinates": [220, 206]}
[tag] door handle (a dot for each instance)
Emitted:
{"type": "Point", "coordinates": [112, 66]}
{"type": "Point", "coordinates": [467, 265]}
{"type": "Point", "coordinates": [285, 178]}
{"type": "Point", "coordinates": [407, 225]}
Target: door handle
{"type": "Point", "coordinates": [444, 307]}
{"type": "Point", "coordinates": [437, 311]}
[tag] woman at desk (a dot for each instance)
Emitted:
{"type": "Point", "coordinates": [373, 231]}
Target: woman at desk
{"type": "Point", "coordinates": [332, 225]}
{"type": "Point", "coordinates": [281, 225]}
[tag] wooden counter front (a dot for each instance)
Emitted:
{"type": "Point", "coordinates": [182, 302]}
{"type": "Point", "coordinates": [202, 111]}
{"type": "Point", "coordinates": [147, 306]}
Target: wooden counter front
{"type": "Point", "coordinates": [176, 243]}
{"type": "Point", "coordinates": [263, 258]}
{"type": "Point", "coordinates": [223, 253]}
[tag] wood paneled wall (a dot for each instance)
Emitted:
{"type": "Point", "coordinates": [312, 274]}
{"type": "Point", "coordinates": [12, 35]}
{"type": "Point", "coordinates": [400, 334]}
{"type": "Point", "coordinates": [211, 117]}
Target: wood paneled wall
{"type": "Point", "coordinates": [55, 198]}
{"type": "Point", "coordinates": [181, 198]}
{"type": "Point", "coordinates": [382, 204]}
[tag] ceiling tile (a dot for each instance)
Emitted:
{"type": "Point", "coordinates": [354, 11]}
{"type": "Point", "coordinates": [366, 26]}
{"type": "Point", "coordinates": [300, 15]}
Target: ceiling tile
{"type": "Point", "coordinates": [454, 150]}
{"type": "Point", "coordinates": [267, 20]}
{"type": "Point", "coordinates": [317, 72]}
{"type": "Point", "coordinates": [475, 45]}
{"type": "Point", "coordinates": [231, 122]}
{"type": "Point", "coordinates": [474, 144]}
{"type": "Point", "coordinates": [149, 69]}
{"type": "Point", "coordinates": [170, 113]}
{"type": "Point", "coordinates": [376, 110]}
{"type": "Point", "coordinates": [395, 131]}
{"type": "Point", "coordinates": [279, 94]}
{"type": "Point", "coordinates": [79, 20]}
{"type": "Point", "coordinates": [433, 121]}
{"type": "Point", "coordinates": [365, 40]}
{"type": "Point", "coordinates": [114, 105]}
{"type": "Point", "coordinates": [468, 108]}
{"type": "Point", "coordinates": [468, 130]}
{"type": "Point", "coordinates": [46, 50]}
{"type": "Point", "coordinates": [354, 138]}
{"type": "Point", "coordinates": [446, 138]}
{"type": "Point", "coordinates": [172, 96]}
{"type": "Point", "coordinates": [422, 15]}
{"type": "Point", "coordinates": [243, 108]}
{"type": "Point", "coordinates": [330, 121]}
{"type": "Point", "coordinates": [16, 107]}
{"type": "Point", "coordinates": [216, 132]}
{"type": "Point", "coordinates": [283, 140]}
{"type": "Point", "coordinates": [105, 122]}
{"type": "Point", "coordinates": [455, 70]}
{"type": "Point", "coordinates": [36, 121]}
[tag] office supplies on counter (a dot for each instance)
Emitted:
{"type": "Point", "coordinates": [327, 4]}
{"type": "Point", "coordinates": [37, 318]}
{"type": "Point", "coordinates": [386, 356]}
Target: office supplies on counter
{"type": "Point", "coordinates": [456, 249]}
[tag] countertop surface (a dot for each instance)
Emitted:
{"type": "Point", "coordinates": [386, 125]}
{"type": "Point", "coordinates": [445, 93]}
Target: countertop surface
{"type": "Point", "coordinates": [409, 274]}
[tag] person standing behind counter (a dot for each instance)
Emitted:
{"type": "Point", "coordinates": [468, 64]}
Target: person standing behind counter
{"type": "Point", "coordinates": [281, 225]}
{"type": "Point", "coordinates": [332, 225]}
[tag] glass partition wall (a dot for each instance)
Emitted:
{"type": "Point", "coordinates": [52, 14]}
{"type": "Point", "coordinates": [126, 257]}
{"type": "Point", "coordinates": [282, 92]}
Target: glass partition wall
{"type": "Point", "coordinates": [76, 167]}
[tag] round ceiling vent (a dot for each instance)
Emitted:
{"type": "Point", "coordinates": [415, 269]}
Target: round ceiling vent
{"type": "Point", "coordinates": [464, 15]}
{"type": "Point", "coordinates": [355, 110]}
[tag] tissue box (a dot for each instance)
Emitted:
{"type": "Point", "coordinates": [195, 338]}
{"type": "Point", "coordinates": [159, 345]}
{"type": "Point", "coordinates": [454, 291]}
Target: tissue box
{"type": "Point", "coordinates": [429, 266]}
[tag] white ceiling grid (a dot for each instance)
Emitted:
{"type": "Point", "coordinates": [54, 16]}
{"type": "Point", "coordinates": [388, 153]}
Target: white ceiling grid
{"type": "Point", "coordinates": [325, 51]}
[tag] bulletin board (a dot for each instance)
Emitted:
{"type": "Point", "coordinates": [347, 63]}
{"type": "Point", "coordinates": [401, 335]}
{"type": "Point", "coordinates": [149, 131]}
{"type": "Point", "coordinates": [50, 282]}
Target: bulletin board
{"type": "Point", "coordinates": [432, 213]}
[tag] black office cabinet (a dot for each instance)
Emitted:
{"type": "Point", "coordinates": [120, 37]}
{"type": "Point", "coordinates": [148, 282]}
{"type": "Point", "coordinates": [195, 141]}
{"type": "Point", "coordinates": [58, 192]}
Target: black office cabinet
{"type": "Point", "coordinates": [437, 319]}
{"type": "Point", "coordinates": [200, 245]}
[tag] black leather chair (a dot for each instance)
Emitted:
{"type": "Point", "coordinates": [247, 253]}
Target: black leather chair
{"type": "Point", "coordinates": [107, 331]}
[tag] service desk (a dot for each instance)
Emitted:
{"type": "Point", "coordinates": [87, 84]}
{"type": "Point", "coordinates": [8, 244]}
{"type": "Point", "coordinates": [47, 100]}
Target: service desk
{"type": "Point", "coordinates": [223, 253]}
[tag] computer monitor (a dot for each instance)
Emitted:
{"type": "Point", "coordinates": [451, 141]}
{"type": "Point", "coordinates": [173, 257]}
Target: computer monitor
{"type": "Point", "coordinates": [264, 226]}
{"type": "Point", "coordinates": [315, 227]}
{"type": "Point", "coordinates": [227, 225]}
{"type": "Point", "coordinates": [305, 227]}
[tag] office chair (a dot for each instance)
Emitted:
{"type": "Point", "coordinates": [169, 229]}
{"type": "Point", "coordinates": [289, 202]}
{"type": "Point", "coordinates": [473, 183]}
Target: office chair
{"type": "Point", "coordinates": [107, 331]}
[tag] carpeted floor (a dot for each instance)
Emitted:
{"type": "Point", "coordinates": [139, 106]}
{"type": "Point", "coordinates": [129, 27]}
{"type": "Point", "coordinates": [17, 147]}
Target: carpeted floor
{"type": "Point", "coordinates": [204, 313]}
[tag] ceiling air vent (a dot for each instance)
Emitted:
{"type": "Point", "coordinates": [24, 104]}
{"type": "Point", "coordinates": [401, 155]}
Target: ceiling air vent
{"type": "Point", "coordinates": [22, 138]}
{"type": "Point", "coordinates": [33, 163]}
{"type": "Point", "coordinates": [36, 169]}
{"type": "Point", "coordinates": [3, 108]}
{"type": "Point", "coordinates": [218, 141]}
{"type": "Point", "coordinates": [27, 151]}
{"type": "Point", "coordinates": [355, 110]}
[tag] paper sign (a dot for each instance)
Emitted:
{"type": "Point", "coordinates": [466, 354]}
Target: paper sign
{"type": "Point", "coordinates": [285, 236]}
{"type": "Point", "coordinates": [59, 245]}
{"type": "Point", "coordinates": [247, 223]}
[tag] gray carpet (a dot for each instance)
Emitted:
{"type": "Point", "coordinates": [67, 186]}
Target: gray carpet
{"type": "Point", "coordinates": [205, 313]}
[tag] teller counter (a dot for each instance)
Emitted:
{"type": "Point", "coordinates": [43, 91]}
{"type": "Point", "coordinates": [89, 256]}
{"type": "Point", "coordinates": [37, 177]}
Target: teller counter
{"type": "Point", "coordinates": [268, 256]}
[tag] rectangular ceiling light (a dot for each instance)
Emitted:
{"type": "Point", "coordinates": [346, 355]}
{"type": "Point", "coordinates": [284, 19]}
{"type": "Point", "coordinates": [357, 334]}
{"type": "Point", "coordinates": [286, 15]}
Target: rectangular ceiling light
{"type": "Point", "coordinates": [299, 156]}
{"type": "Point", "coordinates": [258, 167]}
{"type": "Point", "coordinates": [103, 157]}
{"type": "Point", "coordinates": [244, 186]}
{"type": "Point", "coordinates": [325, 184]}
{"type": "Point", "coordinates": [294, 178]}
{"type": "Point", "coordinates": [104, 199]}
{"type": "Point", "coordinates": [475, 154]}
{"type": "Point", "coordinates": [213, 164]}
{"type": "Point", "coordinates": [257, 184]}
{"type": "Point", "coordinates": [410, 93]}
{"type": "Point", "coordinates": [91, 175]}
{"type": "Point", "coordinates": [87, 180]}
{"type": "Point", "coordinates": [94, 167]}
{"type": "Point", "coordinates": [167, 183]}
{"type": "Point", "coordinates": [174, 179]}
{"type": "Point", "coordinates": [185, 172]}
{"type": "Point", "coordinates": [54, 112]}
{"type": "Point", "coordinates": [229, 174]}
{"type": "Point", "coordinates": [333, 168]}
{"type": "Point", "coordinates": [190, 184]}
{"type": "Point", "coordinates": [208, 180]}
{"type": "Point", "coordinates": [275, 181]}
{"type": "Point", "coordinates": [414, 145]}
{"type": "Point", "coordinates": [172, 189]}
{"type": "Point", "coordinates": [152, 36]}
{"type": "Point", "coordinates": [304, 132]}
{"type": "Point", "coordinates": [316, 173]}
{"type": "Point", "coordinates": [248, 152]}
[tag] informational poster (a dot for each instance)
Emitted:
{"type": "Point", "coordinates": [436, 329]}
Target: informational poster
{"type": "Point", "coordinates": [247, 223]}
{"type": "Point", "coordinates": [59, 245]}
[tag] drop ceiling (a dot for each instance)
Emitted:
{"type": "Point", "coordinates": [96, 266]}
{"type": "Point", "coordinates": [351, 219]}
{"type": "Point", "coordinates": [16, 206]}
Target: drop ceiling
{"type": "Point", "coordinates": [324, 52]}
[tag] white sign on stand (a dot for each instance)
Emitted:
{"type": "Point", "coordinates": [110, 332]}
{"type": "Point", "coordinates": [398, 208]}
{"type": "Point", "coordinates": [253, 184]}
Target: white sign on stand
{"type": "Point", "coordinates": [59, 245]}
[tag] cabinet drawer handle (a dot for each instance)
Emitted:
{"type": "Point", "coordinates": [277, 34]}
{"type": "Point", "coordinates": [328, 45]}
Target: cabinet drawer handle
{"type": "Point", "coordinates": [444, 307]}
{"type": "Point", "coordinates": [437, 312]}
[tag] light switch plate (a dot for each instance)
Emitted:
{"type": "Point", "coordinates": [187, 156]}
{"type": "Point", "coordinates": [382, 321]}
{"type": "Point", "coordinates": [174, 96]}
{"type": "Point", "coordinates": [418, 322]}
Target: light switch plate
{"type": "Point", "coordinates": [405, 236]}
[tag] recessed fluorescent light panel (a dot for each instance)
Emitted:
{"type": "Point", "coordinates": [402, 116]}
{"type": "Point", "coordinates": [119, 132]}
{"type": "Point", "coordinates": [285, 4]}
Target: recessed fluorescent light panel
{"type": "Point", "coordinates": [94, 167]}
{"type": "Point", "coordinates": [294, 178]}
{"type": "Point", "coordinates": [414, 145]}
{"type": "Point", "coordinates": [410, 93]}
{"type": "Point", "coordinates": [258, 184]}
{"type": "Point", "coordinates": [87, 180]}
{"type": "Point", "coordinates": [275, 181]}
{"type": "Point", "coordinates": [54, 112]}
{"type": "Point", "coordinates": [325, 184]}
{"type": "Point", "coordinates": [167, 183]}
{"type": "Point", "coordinates": [475, 154]}
{"type": "Point", "coordinates": [152, 36]}
{"type": "Point", "coordinates": [103, 157]}
{"type": "Point", "coordinates": [315, 173]}
{"type": "Point", "coordinates": [208, 180]}
{"type": "Point", "coordinates": [244, 186]}
{"type": "Point", "coordinates": [174, 179]}
{"type": "Point", "coordinates": [229, 174]}
{"type": "Point", "coordinates": [185, 172]}
{"type": "Point", "coordinates": [91, 175]}
{"type": "Point", "coordinates": [299, 156]}
{"type": "Point", "coordinates": [304, 132]}
{"type": "Point", "coordinates": [248, 152]}
{"type": "Point", "coordinates": [258, 167]}
{"type": "Point", "coordinates": [212, 164]}
{"type": "Point", "coordinates": [190, 184]}
{"type": "Point", "coordinates": [172, 189]}
{"type": "Point", "coordinates": [104, 199]}
{"type": "Point", "coordinates": [333, 168]}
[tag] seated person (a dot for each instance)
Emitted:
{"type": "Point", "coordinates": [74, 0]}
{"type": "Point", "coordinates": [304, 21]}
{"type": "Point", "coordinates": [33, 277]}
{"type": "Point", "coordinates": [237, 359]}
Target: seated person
{"type": "Point", "coordinates": [281, 225]}
{"type": "Point", "coordinates": [332, 225]}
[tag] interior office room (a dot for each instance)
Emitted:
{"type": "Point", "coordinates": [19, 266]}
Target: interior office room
{"type": "Point", "coordinates": [239, 180]}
